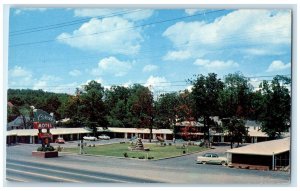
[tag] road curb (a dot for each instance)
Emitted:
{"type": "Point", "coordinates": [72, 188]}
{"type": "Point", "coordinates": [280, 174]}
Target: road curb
{"type": "Point", "coordinates": [70, 153]}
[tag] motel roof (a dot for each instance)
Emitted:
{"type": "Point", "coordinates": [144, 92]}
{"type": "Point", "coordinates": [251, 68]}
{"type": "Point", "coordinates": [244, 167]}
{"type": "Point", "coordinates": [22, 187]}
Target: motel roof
{"type": "Point", "coordinates": [64, 131]}
{"type": "Point", "coordinates": [267, 148]}
{"type": "Point", "coordinates": [137, 130]}
{"type": "Point", "coordinates": [54, 131]}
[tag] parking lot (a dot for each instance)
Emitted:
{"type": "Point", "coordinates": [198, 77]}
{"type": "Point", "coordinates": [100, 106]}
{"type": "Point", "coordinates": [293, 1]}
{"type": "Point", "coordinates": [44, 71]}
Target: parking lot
{"type": "Point", "coordinates": [174, 170]}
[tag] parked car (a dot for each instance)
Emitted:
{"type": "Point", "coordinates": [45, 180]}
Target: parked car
{"type": "Point", "coordinates": [105, 137]}
{"type": "Point", "coordinates": [212, 158]}
{"type": "Point", "coordinates": [89, 138]}
{"type": "Point", "coordinates": [60, 140]}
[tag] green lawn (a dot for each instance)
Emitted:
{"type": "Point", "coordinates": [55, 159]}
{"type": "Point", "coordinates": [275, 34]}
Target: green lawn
{"type": "Point", "coordinates": [156, 150]}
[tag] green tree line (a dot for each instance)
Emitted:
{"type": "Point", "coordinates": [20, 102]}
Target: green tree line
{"type": "Point", "coordinates": [233, 100]}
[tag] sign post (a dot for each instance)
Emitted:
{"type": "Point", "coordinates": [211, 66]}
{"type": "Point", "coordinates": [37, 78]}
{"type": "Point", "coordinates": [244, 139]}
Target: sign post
{"type": "Point", "coordinates": [44, 121]}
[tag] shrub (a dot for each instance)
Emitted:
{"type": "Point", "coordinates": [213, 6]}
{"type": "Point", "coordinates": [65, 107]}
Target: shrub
{"type": "Point", "coordinates": [183, 152]}
{"type": "Point", "coordinates": [150, 157]}
{"type": "Point", "coordinates": [201, 144]}
{"type": "Point", "coordinates": [133, 157]}
{"type": "Point", "coordinates": [125, 155]}
{"type": "Point", "coordinates": [59, 148]}
{"type": "Point", "coordinates": [141, 157]}
{"type": "Point", "coordinates": [50, 148]}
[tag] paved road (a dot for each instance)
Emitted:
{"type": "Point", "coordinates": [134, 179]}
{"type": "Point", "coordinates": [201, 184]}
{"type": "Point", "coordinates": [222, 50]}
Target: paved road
{"type": "Point", "coordinates": [21, 166]}
{"type": "Point", "coordinates": [23, 171]}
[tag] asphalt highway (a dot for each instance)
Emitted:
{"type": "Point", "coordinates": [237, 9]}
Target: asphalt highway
{"type": "Point", "coordinates": [75, 169]}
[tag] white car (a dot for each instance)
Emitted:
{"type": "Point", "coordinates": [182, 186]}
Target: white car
{"type": "Point", "coordinates": [212, 158]}
{"type": "Point", "coordinates": [89, 138]}
{"type": "Point", "coordinates": [105, 137]}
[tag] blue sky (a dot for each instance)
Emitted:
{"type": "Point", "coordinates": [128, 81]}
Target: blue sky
{"type": "Point", "coordinates": [60, 49]}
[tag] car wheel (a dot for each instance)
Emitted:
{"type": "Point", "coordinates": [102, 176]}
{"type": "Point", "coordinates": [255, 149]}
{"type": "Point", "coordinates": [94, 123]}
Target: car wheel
{"type": "Point", "coordinates": [223, 163]}
{"type": "Point", "coordinates": [203, 162]}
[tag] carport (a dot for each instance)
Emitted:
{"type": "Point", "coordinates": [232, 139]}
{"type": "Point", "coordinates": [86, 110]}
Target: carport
{"type": "Point", "coordinates": [266, 155]}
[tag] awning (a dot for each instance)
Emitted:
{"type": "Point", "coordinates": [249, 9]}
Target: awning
{"type": "Point", "coordinates": [267, 148]}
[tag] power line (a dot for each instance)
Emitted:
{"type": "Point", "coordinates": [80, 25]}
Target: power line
{"type": "Point", "coordinates": [64, 24]}
{"type": "Point", "coordinates": [235, 37]}
{"type": "Point", "coordinates": [170, 83]}
{"type": "Point", "coordinates": [128, 28]}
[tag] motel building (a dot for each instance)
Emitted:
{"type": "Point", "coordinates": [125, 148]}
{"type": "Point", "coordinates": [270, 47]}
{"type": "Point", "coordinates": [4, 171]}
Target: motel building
{"type": "Point", "coordinates": [30, 136]}
{"type": "Point", "coordinates": [267, 155]}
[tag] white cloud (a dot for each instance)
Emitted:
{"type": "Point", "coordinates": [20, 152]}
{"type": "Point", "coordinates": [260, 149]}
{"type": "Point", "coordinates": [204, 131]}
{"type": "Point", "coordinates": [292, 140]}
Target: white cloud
{"type": "Point", "coordinates": [239, 29]}
{"type": "Point", "coordinates": [255, 82]}
{"type": "Point", "coordinates": [157, 83]}
{"type": "Point", "coordinates": [139, 15]}
{"type": "Point", "coordinates": [133, 15]}
{"type": "Point", "coordinates": [40, 85]}
{"type": "Point", "coordinates": [150, 68]}
{"type": "Point", "coordinates": [19, 77]}
{"type": "Point", "coordinates": [45, 82]}
{"type": "Point", "coordinates": [189, 88]}
{"type": "Point", "coordinates": [177, 55]}
{"type": "Point", "coordinates": [22, 10]}
{"type": "Point", "coordinates": [18, 71]}
{"type": "Point", "coordinates": [99, 80]}
{"type": "Point", "coordinates": [93, 12]}
{"type": "Point", "coordinates": [105, 35]}
{"type": "Point", "coordinates": [216, 64]}
{"type": "Point", "coordinates": [127, 84]}
{"type": "Point", "coordinates": [113, 66]}
{"type": "Point", "coordinates": [68, 88]}
{"type": "Point", "coordinates": [75, 72]}
{"type": "Point", "coordinates": [278, 65]}
{"type": "Point", "coordinates": [193, 11]}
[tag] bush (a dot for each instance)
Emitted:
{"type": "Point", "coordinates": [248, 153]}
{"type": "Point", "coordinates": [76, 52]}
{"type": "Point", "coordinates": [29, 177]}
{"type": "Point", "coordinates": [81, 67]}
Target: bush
{"type": "Point", "coordinates": [125, 155]}
{"type": "Point", "coordinates": [150, 157]}
{"type": "Point", "coordinates": [141, 157]}
{"type": "Point", "coordinates": [201, 144]}
{"type": "Point", "coordinates": [133, 157]}
{"type": "Point", "coordinates": [59, 148]}
{"type": "Point", "coordinates": [183, 152]}
{"type": "Point", "coordinates": [50, 148]}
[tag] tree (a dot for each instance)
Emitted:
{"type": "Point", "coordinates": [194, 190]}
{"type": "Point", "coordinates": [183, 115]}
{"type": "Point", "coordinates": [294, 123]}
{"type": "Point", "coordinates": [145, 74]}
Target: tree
{"type": "Point", "coordinates": [87, 107]}
{"type": "Point", "coordinates": [205, 94]}
{"type": "Point", "coordinates": [276, 101]}
{"type": "Point", "coordinates": [235, 97]}
{"type": "Point", "coordinates": [93, 109]}
{"type": "Point", "coordinates": [51, 105]}
{"type": "Point", "coordinates": [141, 107]}
{"type": "Point", "coordinates": [116, 99]}
{"type": "Point", "coordinates": [189, 133]}
{"type": "Point", "coordinates": [166, 111]}
{"type": "Point", "coordinates": [236, 129]}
